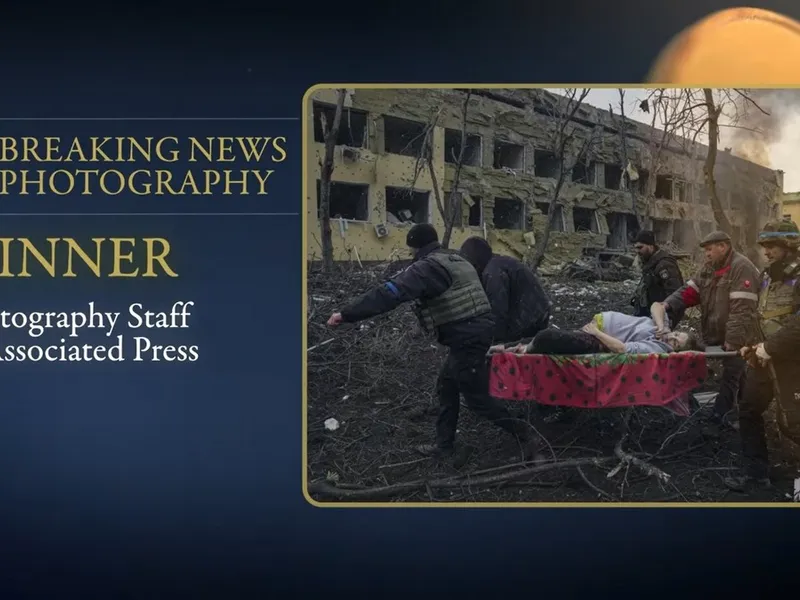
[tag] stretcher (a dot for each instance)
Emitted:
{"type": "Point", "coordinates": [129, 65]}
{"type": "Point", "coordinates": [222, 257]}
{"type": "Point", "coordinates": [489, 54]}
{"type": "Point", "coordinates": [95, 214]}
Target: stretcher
{"type": "Point", "coordinates": [602, 380]}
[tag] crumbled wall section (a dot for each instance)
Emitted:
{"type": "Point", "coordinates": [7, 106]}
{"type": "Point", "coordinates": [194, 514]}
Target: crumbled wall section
{"type": "Point", "coordinates": [749, 192]}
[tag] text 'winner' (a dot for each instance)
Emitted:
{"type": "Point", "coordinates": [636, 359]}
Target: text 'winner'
{"type": "Point", "coordinates": [102, 326]}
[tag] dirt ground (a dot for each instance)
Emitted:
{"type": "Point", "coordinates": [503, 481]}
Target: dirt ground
{"type": "Point", "coordinates": [376, 379]}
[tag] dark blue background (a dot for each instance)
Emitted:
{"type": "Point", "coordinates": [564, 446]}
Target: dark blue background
{"type": "Point", "coordinates": [156, 481]}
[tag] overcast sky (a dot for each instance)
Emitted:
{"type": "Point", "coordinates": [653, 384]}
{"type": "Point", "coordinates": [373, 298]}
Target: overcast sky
{"type": "Point", "coordinates": [782, 151]}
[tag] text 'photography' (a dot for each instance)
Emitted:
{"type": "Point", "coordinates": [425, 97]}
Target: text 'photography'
{"type": "Point", "coordinates": [552, 296]}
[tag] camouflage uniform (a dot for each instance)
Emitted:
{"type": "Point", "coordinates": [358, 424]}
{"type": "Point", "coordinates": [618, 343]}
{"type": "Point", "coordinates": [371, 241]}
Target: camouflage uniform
{"type": "Point", "coordinates": [779, 317]}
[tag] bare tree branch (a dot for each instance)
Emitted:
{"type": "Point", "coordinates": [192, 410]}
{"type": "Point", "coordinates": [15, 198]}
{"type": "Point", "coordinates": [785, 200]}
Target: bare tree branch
{"type": "Point", "coordinates": [562, 142]}
{"type": "Point", "coordinates": [326, 173]}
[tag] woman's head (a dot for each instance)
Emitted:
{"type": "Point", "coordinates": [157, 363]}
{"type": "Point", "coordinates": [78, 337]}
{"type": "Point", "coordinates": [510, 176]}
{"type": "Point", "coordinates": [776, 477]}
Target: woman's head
{"type": "Point", "coordinates": [683, 341]}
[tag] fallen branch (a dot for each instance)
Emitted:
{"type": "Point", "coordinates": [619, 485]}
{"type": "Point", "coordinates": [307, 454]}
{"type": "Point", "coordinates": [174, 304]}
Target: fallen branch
{"type": "Point", "coordinates": [630, 459]}
{"type": "Point", "coordinates": [325, 488]}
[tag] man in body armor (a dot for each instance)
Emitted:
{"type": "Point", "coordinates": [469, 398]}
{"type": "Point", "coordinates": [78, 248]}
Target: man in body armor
{"type": "Point", "coordinates": [660, 276]}
{"type": "Point", "coordinates": [450, 302]}
{"type": "Point", "coordinates": [774, 364]}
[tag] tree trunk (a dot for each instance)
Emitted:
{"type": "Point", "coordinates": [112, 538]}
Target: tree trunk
{"type": "Point", "coordinates": [326, 172]}
{"type": "Point", "coordinates": [541, 246]}
{"type": "Point", "coordinates": [711, 158]}
{"type": "Point", "coordinates": [624, 139]}
{"type": "Point", "coordinates": [455, 202]}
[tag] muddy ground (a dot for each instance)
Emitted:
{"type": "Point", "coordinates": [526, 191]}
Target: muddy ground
{"type": "Point", "coordinates": [377, 380]}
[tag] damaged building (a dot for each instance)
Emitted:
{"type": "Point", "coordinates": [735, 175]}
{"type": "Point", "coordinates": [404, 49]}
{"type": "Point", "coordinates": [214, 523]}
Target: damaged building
{"type": "Point", "coordinates": [508, 174]}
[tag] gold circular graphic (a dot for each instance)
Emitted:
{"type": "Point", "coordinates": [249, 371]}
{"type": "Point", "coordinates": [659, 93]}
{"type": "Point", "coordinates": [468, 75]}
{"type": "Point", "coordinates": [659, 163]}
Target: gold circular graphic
{"type": "Point", "coordinates": [743, 47]}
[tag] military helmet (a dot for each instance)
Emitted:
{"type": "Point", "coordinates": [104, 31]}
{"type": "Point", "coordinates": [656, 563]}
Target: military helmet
{"type": "Point", "coordinates": [785, 233]}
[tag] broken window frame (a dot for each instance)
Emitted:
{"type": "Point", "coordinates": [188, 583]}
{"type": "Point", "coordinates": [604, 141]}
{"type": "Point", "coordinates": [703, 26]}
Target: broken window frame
{"type": "Point", "coordinates": [368, 201]}
{"type": "Point", "coordinates": [479, 150]}
{"type": "Point", "coordinates": [595, 218]}
{"type": "Point", "coordinates": [621, 184]}
{"type": "Point", "coordinates": [507, 142]}
{"type": "Point", "coordinates": [559, 221]}
{"type": "Point", "coordinates": [591, 168]}
{"type": "Point", "coordinates": [410, 149]}
{"type": "Point", "coordinates": [346, 115]}
{"type": "Point", "coordinates": [552, 156]}
{"type": "Point", "coordinates": [429, 207]}
{"type": "Point", "coordinates": [522, 219]}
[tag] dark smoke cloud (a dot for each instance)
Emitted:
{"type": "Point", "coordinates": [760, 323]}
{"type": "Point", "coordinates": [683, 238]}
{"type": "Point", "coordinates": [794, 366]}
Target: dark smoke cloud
{"type": "Point", "coordinates": [755, 132]}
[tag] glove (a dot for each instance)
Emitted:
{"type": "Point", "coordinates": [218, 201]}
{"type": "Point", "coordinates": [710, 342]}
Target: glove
{"type": "Point", "coordinates": [761, 353]}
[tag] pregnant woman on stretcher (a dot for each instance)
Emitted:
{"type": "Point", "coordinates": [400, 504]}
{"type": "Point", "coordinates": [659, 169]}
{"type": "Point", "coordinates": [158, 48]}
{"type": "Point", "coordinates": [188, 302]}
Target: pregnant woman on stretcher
{"type": "Point", "coordinates": [613, 332]}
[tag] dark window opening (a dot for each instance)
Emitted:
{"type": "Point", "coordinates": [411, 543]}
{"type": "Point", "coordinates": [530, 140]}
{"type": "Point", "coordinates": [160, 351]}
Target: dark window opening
{"type": "Point", "coordinates": [352, 126]}
{"type": "Point", "coordinates": [584, 219]}
{"type": "Point", "coordinates": [546, 164]}
{"type": "Point", "coordinates": [347, 201]}
{"type": "Point", "coordinates": [509, 156]}
{"type": "Point", "coordinates": [632, 226]}
{"type": "Point", "coordinates": [643, 181]}
{"type": "Point", "coordinates": [583, 173]}
{"type": "Point", "coordinates": [664, 187]}
{"type": "Point", "coordinates": [613, 177]}
{"type": "Point", "coordinates": [406, 206]}
{"type": "Point", "coordinates": [476, 212]}
{"type": "Point", "coordinates": [661, 231]}
{"type": "Point", "coordinates": [618, 230]}
{"type": "Point", "coordinates": [558, 224]}
{"type": "Point", "coordinates": [508, 214]}
{"type": "Point", "coordinates": [402, 136]}
{"type": "Point", "coordinates": [452, 148]}
{"type": "Point", "coordinates": [475, 216]}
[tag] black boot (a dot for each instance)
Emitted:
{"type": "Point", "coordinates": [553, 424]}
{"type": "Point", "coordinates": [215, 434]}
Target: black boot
{"type": "Point", "coordinates": [435, 451]}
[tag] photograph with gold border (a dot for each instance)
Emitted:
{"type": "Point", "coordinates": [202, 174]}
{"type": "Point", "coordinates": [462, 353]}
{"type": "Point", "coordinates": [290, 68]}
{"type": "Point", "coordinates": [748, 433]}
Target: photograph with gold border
{"type": "Point", "coordinates": [551, 296]}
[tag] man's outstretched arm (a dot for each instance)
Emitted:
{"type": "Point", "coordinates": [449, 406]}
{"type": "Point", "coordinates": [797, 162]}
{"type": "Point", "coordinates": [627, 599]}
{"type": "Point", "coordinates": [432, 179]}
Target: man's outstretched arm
{"type": "Point", "coordinates": [422, 279]}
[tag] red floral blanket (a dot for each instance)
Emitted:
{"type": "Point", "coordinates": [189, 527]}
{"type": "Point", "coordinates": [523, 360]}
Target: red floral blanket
{"type": "Point", "coordinates": [599, 380]}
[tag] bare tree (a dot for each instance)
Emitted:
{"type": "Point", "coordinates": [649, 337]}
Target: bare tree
{"type": "Point", "coordinates": [326, 173]}
{"type": "Point", "coordinates": [568, 149]}
{"type": "Point", "coordinates": [450, 209]}
{"type": "Point", "coordinates": [625, 180]}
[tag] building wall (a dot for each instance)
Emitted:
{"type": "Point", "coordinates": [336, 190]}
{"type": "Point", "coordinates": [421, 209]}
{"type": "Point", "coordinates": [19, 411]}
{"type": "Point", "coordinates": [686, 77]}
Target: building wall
{"type": "Point", "coordinates": [791, 206]}
{"type": "Point", "coordinates": [528, 184]}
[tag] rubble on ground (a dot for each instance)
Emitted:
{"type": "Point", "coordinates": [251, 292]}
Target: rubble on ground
{"type": "Point", "coordinates": [376, 381]}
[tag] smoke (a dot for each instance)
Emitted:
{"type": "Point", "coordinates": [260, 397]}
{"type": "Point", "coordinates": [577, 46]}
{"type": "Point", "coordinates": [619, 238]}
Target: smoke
{"type": "Point", "coordinates": [751, 133]}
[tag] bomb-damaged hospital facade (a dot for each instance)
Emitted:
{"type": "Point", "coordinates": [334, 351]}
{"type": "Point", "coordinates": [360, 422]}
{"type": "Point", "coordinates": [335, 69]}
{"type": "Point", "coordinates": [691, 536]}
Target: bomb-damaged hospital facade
{"type": "Point", "coordinates": [508, 173]}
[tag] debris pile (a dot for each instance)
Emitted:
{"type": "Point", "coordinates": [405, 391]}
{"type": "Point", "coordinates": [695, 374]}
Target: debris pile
{"type": "Point", "coordinates": [601, 265]}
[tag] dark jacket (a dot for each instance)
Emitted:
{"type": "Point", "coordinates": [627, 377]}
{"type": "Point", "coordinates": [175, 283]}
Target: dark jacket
{"type": "Point", "coordinates": [728, 302]}
{"type": "Point", "coordinates": [520, 306]}
{"type": "Point", "coordinates": [661, 277]}
{"type": "Point", "coordinates": [423, 279]}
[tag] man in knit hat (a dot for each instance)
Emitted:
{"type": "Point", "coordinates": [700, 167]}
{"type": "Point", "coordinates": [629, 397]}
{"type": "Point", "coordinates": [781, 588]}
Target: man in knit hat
{"type": "Point", "coordinates": [660, 276]}
{"type": "Point", "coordinates": [452, 305]}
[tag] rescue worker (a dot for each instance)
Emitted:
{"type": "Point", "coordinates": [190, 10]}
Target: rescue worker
{"type": "Point", "coordinates": [520, 306]}
{"type": "Point", "coordinates": [451, 303]}
{"type": "Point", "coordinates": [775, 363]}
{"type": "Point", "coordinates": [660, 275]}
{"type": "Point", "coordinates": [725, 289]}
